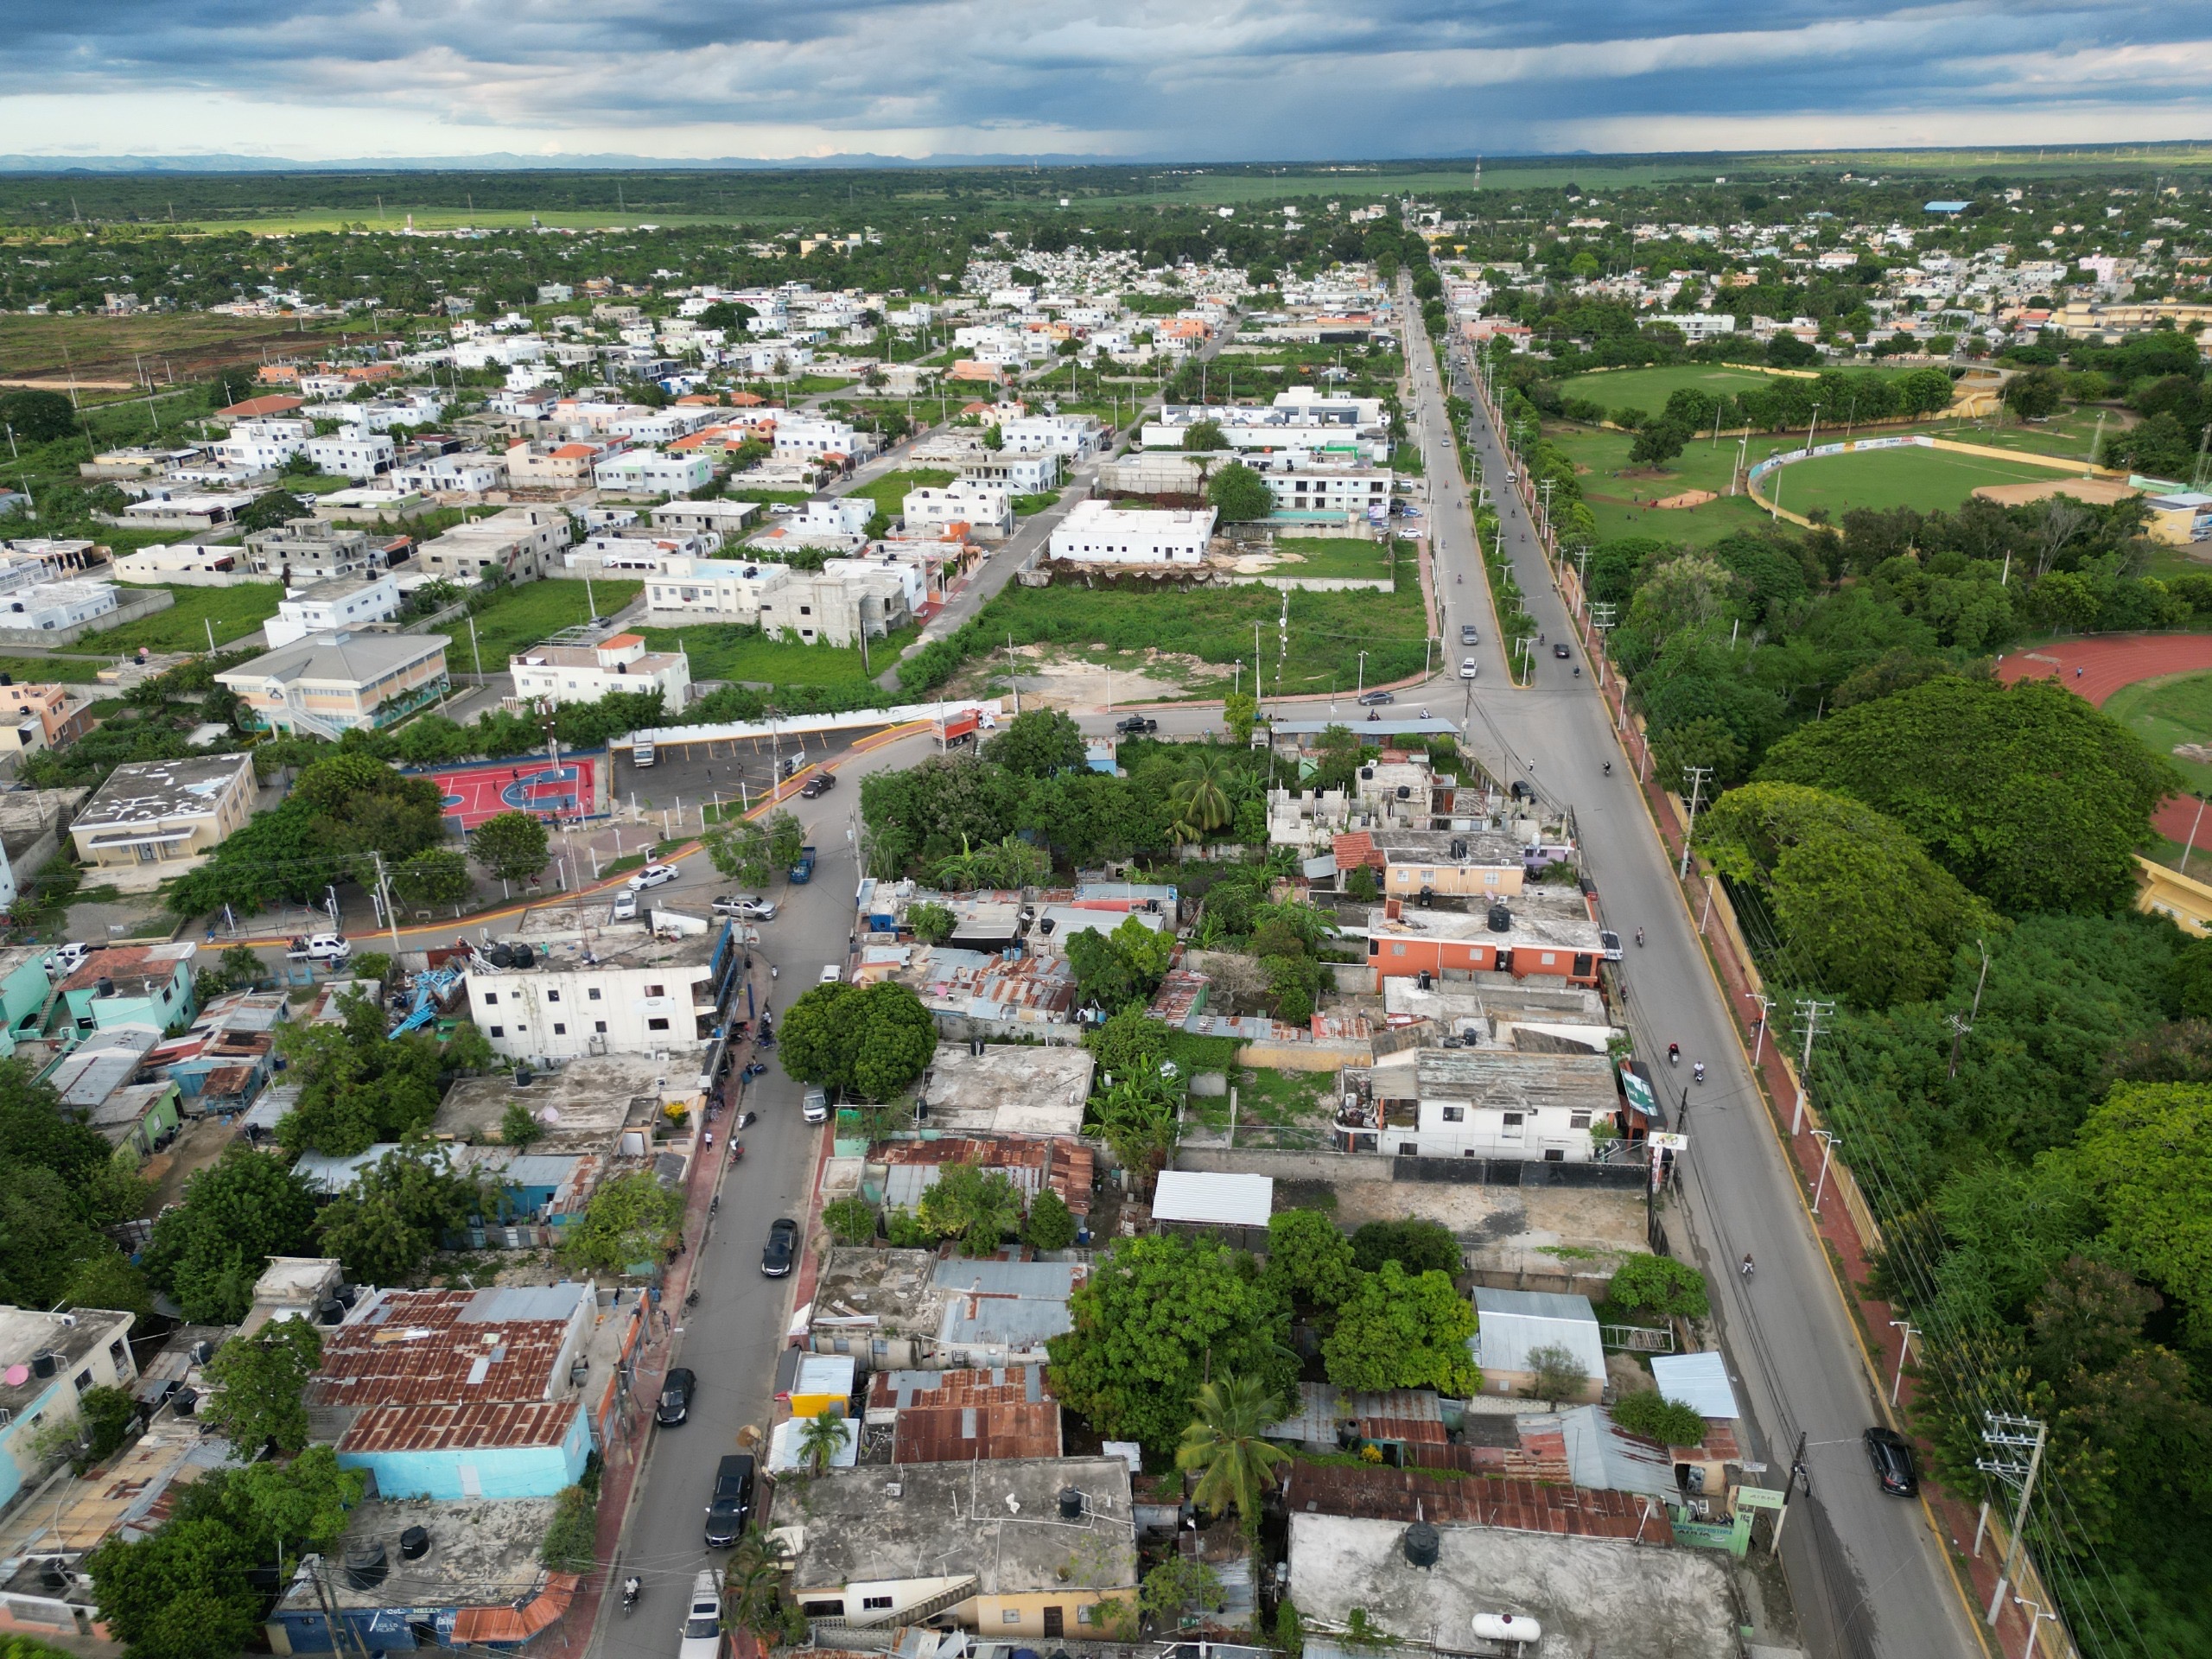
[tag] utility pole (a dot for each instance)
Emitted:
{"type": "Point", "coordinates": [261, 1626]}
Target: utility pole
{"type": "Point", "coordinates": [1010, 678]}
{"type": "Point", "coordinates": [1798, 1475]}
{"type": "Point", "coordinates": [1697, 775]}
{"type": "Point", "coordinates": [1828, 1139]}
{"type": "Point", "coordinates": [1904, 1347]}
{"type": "Point", "coordinates": [2003, 1429]}
{"type": "Point", "coordinates": [1961, 1026]}
{"type": "Point", "coordinates": [391, 915]}
{"type": "Point", "coordinates": [1812, 1011]}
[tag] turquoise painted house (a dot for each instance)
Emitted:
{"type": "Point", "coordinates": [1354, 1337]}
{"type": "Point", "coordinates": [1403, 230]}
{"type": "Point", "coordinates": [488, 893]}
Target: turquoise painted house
{"type": "Point", "coordinates": [448, 1394]}
{"type": "Point", "coordinates": [24, 990]}
{"type": "Point", "coordinates": [134, 985]}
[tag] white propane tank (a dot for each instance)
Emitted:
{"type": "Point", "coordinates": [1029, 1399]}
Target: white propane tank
{"type": "Point", "coordinates": [1508, 1627]}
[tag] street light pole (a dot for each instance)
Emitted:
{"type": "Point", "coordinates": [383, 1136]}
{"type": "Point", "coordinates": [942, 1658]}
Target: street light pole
{"type": "Point", "coordinates": [1828, 1139]}
{"type": "Point", "coordinates": [1904, 1346]}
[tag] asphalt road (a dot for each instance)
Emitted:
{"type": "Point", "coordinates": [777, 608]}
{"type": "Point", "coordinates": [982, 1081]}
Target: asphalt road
{"type": "Point", "coordinates": [1874, 1581]}
{"type": "Point", "coordinates": [732, 1337]}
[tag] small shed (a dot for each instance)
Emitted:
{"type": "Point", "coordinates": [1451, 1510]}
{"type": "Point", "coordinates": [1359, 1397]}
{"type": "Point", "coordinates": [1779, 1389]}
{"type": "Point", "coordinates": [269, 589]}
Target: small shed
{"type": "Point", "coordinates": [812, 1383]}
{"type": "Point", "coordinates": [1698, 1381]}
{"type": "Point", "coordinates": [1236, 1206]}
{"type": "Point", "coordinates": [1511, 1324]}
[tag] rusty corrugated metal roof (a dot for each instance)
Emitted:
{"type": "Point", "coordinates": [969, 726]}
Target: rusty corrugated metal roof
{"type": "Point", "coordinates": [1406, 1495]}
{"type": "Point", "coordinates": [443, 1427]}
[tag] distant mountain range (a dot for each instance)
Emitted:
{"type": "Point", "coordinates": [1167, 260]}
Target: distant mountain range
{"type": "Point", "coordinates": [505, 162]}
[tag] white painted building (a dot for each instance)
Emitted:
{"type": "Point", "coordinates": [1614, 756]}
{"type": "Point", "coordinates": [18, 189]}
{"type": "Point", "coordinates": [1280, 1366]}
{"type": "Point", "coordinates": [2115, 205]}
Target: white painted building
{"type": "Point", "coordinates": [262, 446]}
{"type": "Point", "coordinates": [1030, 474]}
{"type": "Point", "coordinates": [1348, 491]}
{"type": "Point", "coordinates": [586, 673]}
{"type": "Point", "coordinates": [470, 473]}
{"type": "Point", "coordinates": [1074, 437]}
{"type": "Point", "coordinates": [52, 605]}
{"type": "Point", "coordinates": [984, 505]}
{"type": "Point", "coordinates": [1095, 532]}
{"type": "Point", "coordinates": [601, 986]}
{"type": "Point", "coordinates": [356, 454]}
{"type": "Point", "coordinates": [814, 437]}
{"type": "Point", "coordinates": [340, 602]}
{"type": "Point", "coordinates": [684, 591]}
{"type": "Point", "coordinates": [1495, 1102]}
{"type": "Point", "coordinates": [650, 472]}
{"type": "Point", "coordinates": [837, 515]}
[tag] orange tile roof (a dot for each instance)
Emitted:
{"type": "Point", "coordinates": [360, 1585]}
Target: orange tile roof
{"type": "Point", "coordinates": [622, 641]}
{"type": "Point", "coordinates": [480, 1626]}
{"type": "Point", "coordinates": [253, 407]}
{"type": "Point", "coordinates": [574, 451]}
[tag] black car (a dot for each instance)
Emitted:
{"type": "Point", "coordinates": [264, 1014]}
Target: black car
{"type": "Point", "coordinates": [783, 1243]}
{"type": "Point", "coordinates": [1891, 1455]}
{"type": "Point", "coordinates": [674, 1397]}
{"type": "Point", "coordinates": [1559, 648]}
{"type": "Point", "coordinates": [821, 783]}
{"type": "Point", "coordinates": [732, 1501]}
{"type": "Point", "coordinates": [1136, 725]}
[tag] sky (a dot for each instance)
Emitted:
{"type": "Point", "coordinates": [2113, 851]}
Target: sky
{"type": "Point", "coordinates": [1142, 80]}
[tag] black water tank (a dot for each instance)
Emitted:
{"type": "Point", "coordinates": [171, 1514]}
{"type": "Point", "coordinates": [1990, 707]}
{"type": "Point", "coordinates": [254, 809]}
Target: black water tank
{"type": "Point", "coordinates": [203, 1352]}
{"type": "Point", "coordinates": [330, 1311]}
{"type": "Point", "coordinates": [366, 1566]}
{"type": "Point", "coordinates": [1071, 1503]}
{"type": "Point", "coordinates": [1458, 849]}
{"type": "Point", "coordinates": [414, 1543]}
{"type": "Point", "coordinates": [524, 955]}
{"type": "Point", "coordinates": [500, 956]}
{"type": "Point", "coordinates": [106, 988]}
{"type": "Point", "coordinates": [45, 1364]}
{"type": "Point", "coordinates": [1420, 1544]}
{"type": "Point", "coordinates": [1425, 981]}
{"type": "Point", "coordinates": [349, 1294]}
{"type": "Point", "coordinates": [1501, 920]}
{"type": "Point", "coordinates": [524, 1076]}
{"type": "Point", "coordinates": [7, 680]}
{"type": "Point", "coordinates": [185, 1402]}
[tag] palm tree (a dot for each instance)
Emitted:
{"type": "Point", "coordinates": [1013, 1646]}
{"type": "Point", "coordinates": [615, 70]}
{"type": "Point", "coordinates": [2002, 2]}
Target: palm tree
{"type": "Point", "coordinates": [965, 869]}
{"type": "Point", "coordinates": [822, 1440]}
{"type": "Point", "coordinates": [752, 1584]}
{"type": "Point", "coordinates": [1225, 1448]}
{"type": "Point", "coordinates": [1197, 800]}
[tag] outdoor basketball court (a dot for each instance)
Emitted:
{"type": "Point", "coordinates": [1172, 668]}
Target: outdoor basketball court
{"type": "Point", "coordinates": [474, 793]}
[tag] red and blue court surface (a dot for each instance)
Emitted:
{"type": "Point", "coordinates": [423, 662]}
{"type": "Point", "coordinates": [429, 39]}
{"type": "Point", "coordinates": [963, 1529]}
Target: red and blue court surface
{"type": "Point", "coordinates": [474, 793]}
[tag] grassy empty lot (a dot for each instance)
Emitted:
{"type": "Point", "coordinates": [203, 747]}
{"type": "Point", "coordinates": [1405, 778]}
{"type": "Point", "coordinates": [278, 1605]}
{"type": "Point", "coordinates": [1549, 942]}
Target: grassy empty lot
{"type": "Point", "coordinates": [1648, 389]}
{"type": "Point", "coordinates": [2176, 709]}
{"type": "Point", "coordinates": [889, 492]}
{"type": "Point", "coordinates": [46, 670]}
{"type": "Point", "coordinates": [102, 347]}
{"type": "Point", "coordinates": [726, 651]}
{"type": "Point", "coordinates": [1336, 556]}
{"type": "Point", "coordinates": [232, 612]}
{"type": "Point", "coordinates": [523, 616]}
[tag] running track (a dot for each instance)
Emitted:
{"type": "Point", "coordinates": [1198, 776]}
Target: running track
{"type": "Point", "coordinates": [2098, 667]}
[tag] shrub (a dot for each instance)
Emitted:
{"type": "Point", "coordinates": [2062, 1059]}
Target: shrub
{"type": "Point", "coordinates": [1659, 1284]}
{"type": "Point", "coordinates": [1658, 1419]}
{"type": "Point", "coordinates": [571, 1543]}
{"type": "Point", "coordinates": [852, 1220]}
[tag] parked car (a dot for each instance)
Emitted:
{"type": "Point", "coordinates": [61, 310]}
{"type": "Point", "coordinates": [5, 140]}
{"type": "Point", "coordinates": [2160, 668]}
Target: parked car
{"type": "Point", "coordinates": [641, 755]}
{"type": "Point", "coordinates": [816, 1107]}
{"type": "Point", "coordinates": [819, 784]}
{"type": "Point", "coordinates": [1467, 634]}
{"type": "Point", "coordinates": [1609, 944]}
{"type": "Point", "coordinates": [1136, 725]}
{"type": "Point", "coordinates": [653, 875]}
{"type": "Point", "coordinates": [830, 973]}
{"type": "Point", "coordinates": [626, 904]}
{"type": "Point", "coordinates": [733, 1496]}
{"type": "Point", "coordinates": [1468, 668]}
{"type": "Point", "coordinates": [674, 1397]}
{"type": "Point", "coordinates": [1891, 1455]}
{"type": "Point", "coordinates": [783, 1244]}
{"type": "Point", "coordinates": [1560, 649]}
{"type": "Point", "coordinates": [702, 1621]}
{"type": "Point", "coordinates": [744, 910]}
{"type": "Point", "coordinates": [68, 959]}
{"type": "Point", "coordinates": [1370, 699]}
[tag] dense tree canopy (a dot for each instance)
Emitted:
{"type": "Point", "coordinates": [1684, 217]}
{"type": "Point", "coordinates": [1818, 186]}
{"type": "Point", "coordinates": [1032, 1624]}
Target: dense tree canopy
{"type": "Point", "coordinates": [238, 1212]}
{"type": "Point", "coordinates": [867, 1041]}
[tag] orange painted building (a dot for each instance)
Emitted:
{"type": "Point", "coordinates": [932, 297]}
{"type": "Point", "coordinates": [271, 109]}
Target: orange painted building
{"type": "Point", "coordinates": [1539, 933]}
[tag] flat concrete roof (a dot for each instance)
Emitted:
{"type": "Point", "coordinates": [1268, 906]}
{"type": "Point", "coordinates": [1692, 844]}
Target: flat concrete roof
{"type": "Point", "coordinates": [1009, 1088]}
{"type": "Point", "coordinates": [999, 1520]}
{"type": "Point", "coordinates": [154, 791]}
{"type": "Point", "coordinates": [584, 1104]}
{"type": "Point", "coordinates": [1589, 1595]}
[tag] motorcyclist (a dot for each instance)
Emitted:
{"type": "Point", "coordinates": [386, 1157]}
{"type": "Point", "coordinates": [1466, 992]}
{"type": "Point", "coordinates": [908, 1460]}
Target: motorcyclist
{"type": "Point", "coordinates": [1697, 1072]}
{"type": "Point", "coordinates": [1674, 1053]}
{"type": "Point", "coordinates": [1746, 1268]}
{"type": "Point", "coordinates": [1639, 935]}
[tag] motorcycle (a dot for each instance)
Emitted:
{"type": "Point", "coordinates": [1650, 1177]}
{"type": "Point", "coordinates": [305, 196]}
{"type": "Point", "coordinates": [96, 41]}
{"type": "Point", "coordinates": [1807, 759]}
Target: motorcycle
{"type": "Point", "coordinates": [747, 1121]}
{"type": "Point", "coordinates": [631, 1591]}
{"type": "Point", "coordinates": [1697, 1072]}
{"type": "Point", "coordinates": [737, 1152]}
{"type": "Point", "coordinates": [1674, 1053]}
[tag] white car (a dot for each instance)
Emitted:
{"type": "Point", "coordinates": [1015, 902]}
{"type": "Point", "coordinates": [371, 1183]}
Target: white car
{"type": "Point", "coordinates": [702, 1621]}
{"type": "Point", "coordinates": [1466, 668]}
{"type": "Point", "coordinates": [68, 959]}
{"type": "Point", "coordinates": [744, 910]}
{"type": "Point", "coordinates": [626, 904]}
{"type": "Point", "coordinates": [653, 875]}
{"type": "Point", "coordinates": [832, 973]}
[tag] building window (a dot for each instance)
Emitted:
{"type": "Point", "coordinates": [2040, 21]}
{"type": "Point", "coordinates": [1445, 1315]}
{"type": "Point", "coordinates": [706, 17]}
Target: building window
{"type": "Point", "coordinates": [1011, 1616]}
{"type": "Point", "coordinates": [593, 993]}
{"type": "Point", "coordinates": [1397, 949]}
{"type": "Point", "coordinates": [491, 998]}
{"type": "Point", "coordinates": [84, 1381]}
{"type": "Point", "coordinates": [868, 1603]}
{"type": "Point", "coordinates": [1514, 1120]}
{"type": "Point", "coordinates": [1455, 1114]}
{"type": "Point", "coordinates": [823, 1609]}
{"type": "Point", "coordinates": [1549, 958]}
{"type": "Point", "coordinates": [599, 1026]}
{"type": "Point", "coordinates": [552, 996]}
{"type": "Point", "coordinates": [1555, 1155]}
{"type": "Point", "coordinates": [1490, 878]}
{"type": "Point", "coordinates": [656, 1025]}
{"type": "Point", "coordinates": [1579, 1121]}
{"type": "Point", "coordinates": [499, 1030]}
{"type": "Point", "coordinates": [560, 1030]}
{"type": "Point", "coordinates": [656, 990]}
{"type": "Point", "coordinates": [1409, 1149]}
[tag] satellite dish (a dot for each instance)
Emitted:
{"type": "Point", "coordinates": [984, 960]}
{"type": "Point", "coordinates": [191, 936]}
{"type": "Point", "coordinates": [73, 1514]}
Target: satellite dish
{"type": "Point", "coordinates": [17, 1376]}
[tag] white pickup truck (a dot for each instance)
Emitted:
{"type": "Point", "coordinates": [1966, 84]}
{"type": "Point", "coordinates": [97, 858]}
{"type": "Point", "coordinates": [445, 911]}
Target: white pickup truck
{"type": "Point", "coordinates": [329, 948]}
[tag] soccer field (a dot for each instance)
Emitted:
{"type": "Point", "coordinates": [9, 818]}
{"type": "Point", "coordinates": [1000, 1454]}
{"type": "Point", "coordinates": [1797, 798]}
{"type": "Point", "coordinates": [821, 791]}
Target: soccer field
{"type": "Point", "coordinates": [1648, 389]}
{"type": "Point", "coordinates": [1923, 479]}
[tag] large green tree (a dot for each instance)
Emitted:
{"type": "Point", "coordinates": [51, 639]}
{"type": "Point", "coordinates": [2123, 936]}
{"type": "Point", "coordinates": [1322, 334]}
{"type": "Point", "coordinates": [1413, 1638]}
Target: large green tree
{"type": "Point", "coordinates": [1125, 966]}
{"type": "Point", "coordinates": [630, 1220]}
{"type": "Point", "coordinates": [2027, 793]}
{"type": "Point", "coordinates": [1871, 916]}
{"type": "Point", "coordinates": [259, 1385]}
{"type": "Point", "coordinates": [1398, 1330]}
{"type": "Point", "coordinates": [1310, 1260]}
{"type": "Point", "coordinates": [974, 1205]}
{"type": "Point", "coordinates": [1038, 743]}
{"type": "Point", "coordinates": [1239, 494]}
{"type": "Point", "coordinates": [2146, 1154]}
{"type": "Point", "coordinates": [357, 1086]}
{"type": "Point", "coordinates": [1154, 1317]}
{"type": "Point", "coordinates": [870, 1041]}
{"type": "Point", "coordinates": [207, 1252]}
{"type": "Point", "coordinates": [399, 1210]}
{"type": "Point", "coordinates": [512, 846]}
